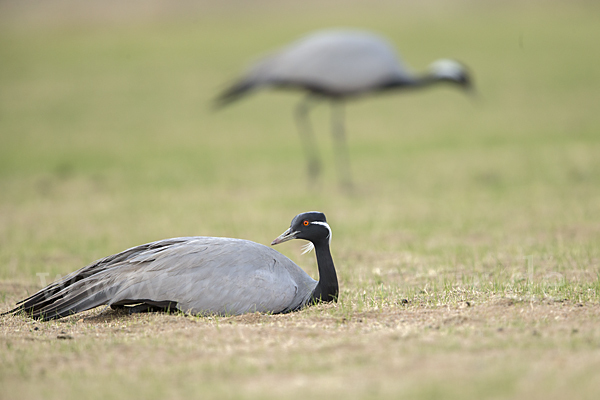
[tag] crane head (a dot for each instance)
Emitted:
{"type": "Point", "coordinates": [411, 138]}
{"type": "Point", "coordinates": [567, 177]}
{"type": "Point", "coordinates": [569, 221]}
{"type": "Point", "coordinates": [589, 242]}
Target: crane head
{"type": "Point", "coordinates": [451, 71]}
{"type": "Point", "coordinates": [311, 226]}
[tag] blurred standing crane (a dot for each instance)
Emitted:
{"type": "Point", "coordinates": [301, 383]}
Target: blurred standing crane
{"type": "Point", "coordinates": [336, 65]}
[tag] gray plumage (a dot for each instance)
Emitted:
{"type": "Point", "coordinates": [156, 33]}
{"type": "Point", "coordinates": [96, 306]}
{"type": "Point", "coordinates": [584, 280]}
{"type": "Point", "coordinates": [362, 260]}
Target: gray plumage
{"type": "Point", "coordinates": [197, 275]}
{"type": "Point", "coordinates": [338, 64]}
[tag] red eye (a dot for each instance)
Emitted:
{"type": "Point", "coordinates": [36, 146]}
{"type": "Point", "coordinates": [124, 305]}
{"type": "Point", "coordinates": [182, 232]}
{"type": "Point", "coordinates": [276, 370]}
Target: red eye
{"type": "Point", "coordinates": [305, 223]}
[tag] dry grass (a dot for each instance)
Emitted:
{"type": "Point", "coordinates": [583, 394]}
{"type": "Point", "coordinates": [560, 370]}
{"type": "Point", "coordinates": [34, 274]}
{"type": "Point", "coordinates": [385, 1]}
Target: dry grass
{"type": "Point", "coordinates": [502, 348]}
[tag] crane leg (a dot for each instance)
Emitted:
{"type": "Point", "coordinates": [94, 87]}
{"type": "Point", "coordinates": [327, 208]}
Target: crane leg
{"type": "Point", "coordinates": [161, 306]}
{"type": "Point", "coordinates": [307, 137]}
{"type": "Point", "coordinates": [341, 147]}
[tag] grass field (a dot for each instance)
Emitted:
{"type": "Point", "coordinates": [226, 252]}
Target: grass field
{"type": "Point", "coordinates": [468, 256]}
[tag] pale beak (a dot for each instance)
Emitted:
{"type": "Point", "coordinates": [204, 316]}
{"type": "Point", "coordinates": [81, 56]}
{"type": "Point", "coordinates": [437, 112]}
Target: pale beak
{"type": "Point", "coordinates": [285, 236]}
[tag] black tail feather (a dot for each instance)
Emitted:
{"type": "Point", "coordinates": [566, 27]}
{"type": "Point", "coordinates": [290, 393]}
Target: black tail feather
{"type": "Point", "coordinates": [233, 93]}
{"type": "Point", "coordinates": [87, 287]}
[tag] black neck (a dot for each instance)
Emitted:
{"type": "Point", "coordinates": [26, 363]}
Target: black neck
{"type": "Point", "coordinates": [408, 82]}
{"type": "Point", "coordinates": [327, 287]}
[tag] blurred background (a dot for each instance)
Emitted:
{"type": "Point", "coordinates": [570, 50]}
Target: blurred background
{"type": "Point", "coordinates": [107, 138]}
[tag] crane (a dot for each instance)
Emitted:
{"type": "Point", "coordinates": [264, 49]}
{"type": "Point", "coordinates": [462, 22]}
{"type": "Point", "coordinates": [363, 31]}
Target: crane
{"type": "Point", "coordinates": [197, 275]}
{"type": "Point", "coordinates": [337, 64]}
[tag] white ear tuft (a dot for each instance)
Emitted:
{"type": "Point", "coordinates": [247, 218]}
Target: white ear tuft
{"type": "Point", "coordinates": [446, 68]}
{"type": "Point", "coordinates": [326, 225]}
